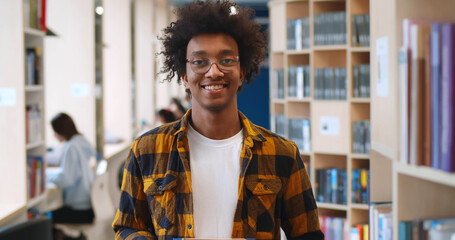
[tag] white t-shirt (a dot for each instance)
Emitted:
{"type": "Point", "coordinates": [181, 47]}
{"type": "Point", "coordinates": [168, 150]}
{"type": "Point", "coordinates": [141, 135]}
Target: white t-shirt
{"type": "Point", "coordinates": [215, 171]}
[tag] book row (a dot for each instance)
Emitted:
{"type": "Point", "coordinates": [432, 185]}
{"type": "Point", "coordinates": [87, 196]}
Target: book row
{"type": "Point", "coordinates": [33, 123]}
{"type": "Point", "coordinates": [427, 94]}
{"type": "Point", "coordinates": [427, 229]}
{"type": "Point", "coordinates": [298, 130]}
{"type": "Point", "coordinates": [336, 228]}
{"type": "Point", "coordinates": [33, 66]}
{"type": "Point", "coordinates": [331, 185]}
{"type": "Point", "coordinates": [298, 33]}
{"type": "Point", "coordinates": [35, 176]}
{"type": "Point", "coordinates": [299, 81]}
{"type": "Point", "coordinates": [361, 136]}
{"type": "Point", "coordinates": [330, 28]}
{"type": "Point", "coordinates": [380, 218]}
{"type": "Point", "coordinates": [330, 83]}
{"type": "Point", "coordinates": [360, 186]}
{"type": "Point", "coordinates": [361, 75]}
{"type": "Point", "coordinates": [278, 83]}
{"type": "Point", "coordinates": [360, 29]}
{"type": "Point", "coordinates": [35, 14]}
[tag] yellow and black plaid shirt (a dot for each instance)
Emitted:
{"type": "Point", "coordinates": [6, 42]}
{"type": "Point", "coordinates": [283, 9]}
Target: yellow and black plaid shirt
{"type": "Point", "coordinates": [274, 187]}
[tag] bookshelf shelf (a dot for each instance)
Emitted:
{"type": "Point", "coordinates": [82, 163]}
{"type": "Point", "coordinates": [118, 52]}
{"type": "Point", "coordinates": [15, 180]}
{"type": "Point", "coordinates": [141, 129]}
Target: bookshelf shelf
{"type": "Point", "coordinates": [10, 211]}
{"type": "Point", "coordinates": [297, 52]}
{"type": "Point", "coordinates": [298, 100]}
{"type": "Point", "coordinates": [360, 100]}
{"type": "Point", "coordinates": [360, 156]}
{"type": "Point", "coordinates": [36, 200]}
{"type": "Point", "coordinates": [34, 145]}
{"type": "Point", "coordinates": [330, 107]}
{"type": "Point", "coordinates": [30, 32]}
{"type": "Point", "coordinates": [360, 49]}
{"type": "Point", "coordinates": [34, 88]}
{"type": "Point", "coordinates": [330, 48]}
{"type": "Point", "coordinates": [359, 206]}
{"type": "Point", "coordinates": [332, 206]}
{"type": "Point", "coordinates": [278, 101]}
{"type": "Point", "coordinates": [416, 192]}
{"type": "Point", "coordinates": [425, 173]}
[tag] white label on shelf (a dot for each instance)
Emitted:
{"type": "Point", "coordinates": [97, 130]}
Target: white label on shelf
{"type": "Point", "coordinates": [80, 90]}
{"type": "Point", "coordinates": [329, 126]}
{"type": "Point", "coordinates": [382, 67]}
{"type": "Point", "coordinates": [7, 96]}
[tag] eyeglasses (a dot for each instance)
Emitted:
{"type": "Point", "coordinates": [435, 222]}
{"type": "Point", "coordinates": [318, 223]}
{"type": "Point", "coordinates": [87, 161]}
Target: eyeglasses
{"type": "Point", "coordinates": [201, 65]}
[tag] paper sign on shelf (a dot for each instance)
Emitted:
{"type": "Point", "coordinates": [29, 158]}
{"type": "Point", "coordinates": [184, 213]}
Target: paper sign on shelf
{"type": "Point", "coordinates": [80, 90]}
{"type": "Point", "coordinates": [7, 96]}
{"type": "Point", "coordinates": [329, 126]}
{"type": "Point", "coordinates": [382, 67]}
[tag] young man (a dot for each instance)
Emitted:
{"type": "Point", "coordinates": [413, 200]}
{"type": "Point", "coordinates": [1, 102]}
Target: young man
{"type": "Point", "coordinates": [214, 174]}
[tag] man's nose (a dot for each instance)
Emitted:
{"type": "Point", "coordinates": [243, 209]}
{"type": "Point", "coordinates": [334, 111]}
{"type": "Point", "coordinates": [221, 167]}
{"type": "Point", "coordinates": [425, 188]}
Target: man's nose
{"type": "Point", "coordinates": [214, 71]}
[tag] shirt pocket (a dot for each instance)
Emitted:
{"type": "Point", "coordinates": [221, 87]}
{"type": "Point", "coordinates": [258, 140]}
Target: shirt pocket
{"type": "Point", "coordinates": [262, 197]}
{"type": "Point", "coordinates": [161, 199]}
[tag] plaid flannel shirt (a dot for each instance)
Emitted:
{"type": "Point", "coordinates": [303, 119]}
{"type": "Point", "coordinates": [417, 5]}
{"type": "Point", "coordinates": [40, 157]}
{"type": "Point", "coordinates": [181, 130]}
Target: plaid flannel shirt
{"type": "Point", "coordinates": [274, 187]}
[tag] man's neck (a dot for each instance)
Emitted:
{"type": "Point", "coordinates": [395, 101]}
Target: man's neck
{"type": "Point", "coordinates": [216, 125]}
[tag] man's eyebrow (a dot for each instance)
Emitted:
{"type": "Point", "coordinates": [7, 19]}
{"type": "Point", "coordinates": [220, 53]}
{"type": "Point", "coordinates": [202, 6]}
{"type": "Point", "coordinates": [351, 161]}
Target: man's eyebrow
{"type": "Point", "coordinates": [222, 52]}
{"type": "Point", "coordinates": [199, 53]}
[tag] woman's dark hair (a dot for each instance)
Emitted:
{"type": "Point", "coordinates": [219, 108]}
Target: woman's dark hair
{"type": "Point", "coordinates": [64, 125]}
{"type": "Point", "coordinates": [210, 16]}
{"type": "Point", "coordinates": [167, 115]}
{"type": "Point", "coordinates": [179, 105]}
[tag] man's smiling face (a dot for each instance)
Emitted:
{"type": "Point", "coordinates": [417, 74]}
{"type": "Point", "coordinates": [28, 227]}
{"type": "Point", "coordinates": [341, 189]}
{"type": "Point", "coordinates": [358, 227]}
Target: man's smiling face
{"type": "Point", "coordinates": [215, 89]}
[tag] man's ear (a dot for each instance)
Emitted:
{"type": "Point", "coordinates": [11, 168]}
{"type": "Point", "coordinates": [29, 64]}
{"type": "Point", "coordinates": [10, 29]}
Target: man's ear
{"type": "Point", "coordinates": [185, 81]}
{"type": "Point", "coordinates": [242, 76]}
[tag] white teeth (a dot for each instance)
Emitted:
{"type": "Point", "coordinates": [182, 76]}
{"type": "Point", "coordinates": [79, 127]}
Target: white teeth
{"type": "Point", "coordinates": [213, 87]}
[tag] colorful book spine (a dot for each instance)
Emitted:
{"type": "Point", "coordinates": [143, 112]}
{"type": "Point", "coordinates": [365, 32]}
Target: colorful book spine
{"type": "Point", "coordinates": [448, 99]}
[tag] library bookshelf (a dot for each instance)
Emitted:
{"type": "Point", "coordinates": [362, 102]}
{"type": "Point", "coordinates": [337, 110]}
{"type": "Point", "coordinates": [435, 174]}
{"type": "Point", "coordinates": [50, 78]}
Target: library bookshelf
{"type": "Point", "coordinates": [331, 119]}
{"type": "Point", "coordinates": [22, 110]}
{"type": "Point", "coordinates": [416, 192]}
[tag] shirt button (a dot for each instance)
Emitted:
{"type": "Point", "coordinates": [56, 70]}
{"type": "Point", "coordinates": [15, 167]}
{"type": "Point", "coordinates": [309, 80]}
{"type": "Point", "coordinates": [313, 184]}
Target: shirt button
{"type": "Point", "coordinates": [189, 226]}
{"type": "Point", "coordinates": [160, 187]}
{"type": "Point", "coordinates": [266, 187]}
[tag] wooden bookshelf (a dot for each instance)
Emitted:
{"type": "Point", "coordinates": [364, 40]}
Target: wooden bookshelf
{"type": "Point", "coordinates": [416, 192]}
{"type": "Point", "coordinates": [332, 149]}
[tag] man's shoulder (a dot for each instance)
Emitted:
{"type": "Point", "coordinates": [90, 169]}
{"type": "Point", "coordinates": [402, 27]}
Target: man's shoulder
{"type": "Point", "coordinates": [272, 138]}
{"type": "Point", "coordinates": [162, 135]}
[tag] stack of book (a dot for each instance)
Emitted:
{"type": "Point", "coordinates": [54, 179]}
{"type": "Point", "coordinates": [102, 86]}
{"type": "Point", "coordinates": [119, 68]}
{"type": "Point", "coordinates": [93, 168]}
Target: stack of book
{"type": "Point", "coordinates": [35, 176]}
{"type": "Point", "coordinates": [33, 124]}
{"type": "Point", "coordinates": [423, 229]}
{"type": "Point", "coordinates": [427, 94]}
{"type": "Point", "coordinates": [360, 30]}
{"type": "Point", "coordinates": [361, 136]}
{"type": "Point", "coordinates": [361, 74]}
{"type": "Point", "coordinates": [330, 83]}
{"type": "Point", "coordinates": [299, 132]}
{"type": "Point", "coordinates": [360, 186]}
{"type": "Point", "coordinates": [334, 227]}
{"type": "Point", "coordinates": [331, 185]}
{"type": "Point", "coordinates": [360, 232]}
{"type": "Point", "coordinates": [280, 125]}
{"type": "Point", "coordinates": [35, 14]}
{"type": "Point", "coordinates": [330, 28]}
{"type": "Point", "coordinates": [299, 81]}
{"type": "Point", "coordinates": [298, 33]}
{"type": "Point", "coordinates": [380, 215]}
{"type": "Point", "coordinates": [278, 83]}
{"type": "Point", "coordinates": [33, 66]}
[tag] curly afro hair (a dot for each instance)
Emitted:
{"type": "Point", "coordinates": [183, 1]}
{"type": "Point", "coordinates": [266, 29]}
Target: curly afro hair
{"type": "Point", "coordinates": [209, 16]}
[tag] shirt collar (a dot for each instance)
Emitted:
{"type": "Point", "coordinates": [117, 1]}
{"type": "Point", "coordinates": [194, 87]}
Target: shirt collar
{"type": "Point", "coordinates": [250, 131]}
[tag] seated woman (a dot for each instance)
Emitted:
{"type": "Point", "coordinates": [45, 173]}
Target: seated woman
{"type": "Point", "coordinates": [75, 176]}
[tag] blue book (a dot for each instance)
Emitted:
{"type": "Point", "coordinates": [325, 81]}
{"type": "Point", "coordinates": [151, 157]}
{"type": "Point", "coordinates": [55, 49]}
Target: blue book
{"type": "Point", "coordinates": [448, 98]}
{"type": "Point", "coordinates": [334, 183]}
{"type": "Point", "coordinates": [436, 95]}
